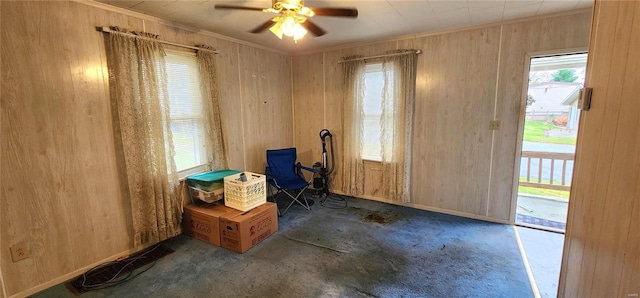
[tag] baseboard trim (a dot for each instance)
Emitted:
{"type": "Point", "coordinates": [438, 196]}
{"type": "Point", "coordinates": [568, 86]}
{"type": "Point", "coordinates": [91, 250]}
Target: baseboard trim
{"type": "Point", "coordinates": [77, 272]}
{"type": "Point", "coordinates": [433, 209]}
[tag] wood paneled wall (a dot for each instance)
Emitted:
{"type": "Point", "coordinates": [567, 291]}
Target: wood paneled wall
{"type": "Point", "coordinates": [602, 244]}
{"type": "Point", "coordinates": [454, 103]}
{"type": "Point", "coordinates": [465, 79]}
{"type": "Point", "coordinates": [308, 85]}
{"type": "Point", "coordinates": [267, 104]}
{"type": "Point", "coordinates": [60, 188]}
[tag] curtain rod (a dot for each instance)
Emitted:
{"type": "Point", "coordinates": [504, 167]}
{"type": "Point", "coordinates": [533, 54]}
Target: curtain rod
{"type": "Point", "coordinates": [108, 30]}
{"type": "Point", "coordinates": [380, 56]}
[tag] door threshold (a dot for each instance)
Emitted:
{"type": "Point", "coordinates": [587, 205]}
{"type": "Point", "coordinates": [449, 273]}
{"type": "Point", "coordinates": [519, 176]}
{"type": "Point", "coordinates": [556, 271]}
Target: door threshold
{"type": "Point", "coordinates": [541, 228]}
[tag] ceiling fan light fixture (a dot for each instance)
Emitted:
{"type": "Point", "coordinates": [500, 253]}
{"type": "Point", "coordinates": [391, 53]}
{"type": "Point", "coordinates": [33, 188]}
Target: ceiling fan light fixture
{"type": "Point", "coordinates": [306, 11]}
{"type": "Point", "coordinates": [293, 17]}
{"type": "Point", "coordinates": [289, 26]}
{"type": "Point", "coordinates": [299, 32]}
{"type": "Point", "coordinates": [276, 29]}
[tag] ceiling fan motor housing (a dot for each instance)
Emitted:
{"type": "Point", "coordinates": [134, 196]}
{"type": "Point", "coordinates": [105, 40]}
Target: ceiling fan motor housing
{"type": "Point", "coordinates": [293, 17]}
{"type": "Point", "coordinates": [289, 3]}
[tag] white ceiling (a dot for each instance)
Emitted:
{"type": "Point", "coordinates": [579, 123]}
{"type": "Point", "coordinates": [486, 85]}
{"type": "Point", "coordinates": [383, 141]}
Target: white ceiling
{"type": "Point", "coordinates": [378, 19]}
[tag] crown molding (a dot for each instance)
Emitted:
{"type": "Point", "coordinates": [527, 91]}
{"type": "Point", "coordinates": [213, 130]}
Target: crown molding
{"type": "Point", "coordinates": [440, 32]}
{"type": "Point", "coordinates": [176, 25]}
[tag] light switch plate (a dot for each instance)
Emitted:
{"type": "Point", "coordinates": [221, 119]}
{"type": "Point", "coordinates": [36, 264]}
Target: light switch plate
{"type": "Point", "coordinates": [20, 251]}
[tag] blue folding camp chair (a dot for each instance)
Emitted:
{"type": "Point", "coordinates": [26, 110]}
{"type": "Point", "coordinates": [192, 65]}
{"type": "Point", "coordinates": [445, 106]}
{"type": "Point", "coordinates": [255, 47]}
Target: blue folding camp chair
{"type": "Point", "coordinates": [286, 176]}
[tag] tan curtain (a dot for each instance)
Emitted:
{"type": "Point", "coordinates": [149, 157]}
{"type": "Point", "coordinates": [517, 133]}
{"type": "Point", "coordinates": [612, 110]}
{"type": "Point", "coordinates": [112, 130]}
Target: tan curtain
{"type": "Point", "coordinates": [352, 126]}
{"type": "Point", "coordinates": [140, 104]}
{"type": "Point", "coordinates": [398, 96]}
{"type": "Point", "coordinates": [211, 106]}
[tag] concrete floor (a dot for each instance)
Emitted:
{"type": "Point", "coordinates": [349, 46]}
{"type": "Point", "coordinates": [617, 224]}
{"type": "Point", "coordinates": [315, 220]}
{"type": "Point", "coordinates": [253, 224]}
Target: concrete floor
{"type": "Point", "coordinates": [543, 207]}
{"type": "Point", "coordinates": [543, 248]}
{"type": "Point", "coordinates": [368, 249]}
{"type": "Point", "coordinates": [544, 252]}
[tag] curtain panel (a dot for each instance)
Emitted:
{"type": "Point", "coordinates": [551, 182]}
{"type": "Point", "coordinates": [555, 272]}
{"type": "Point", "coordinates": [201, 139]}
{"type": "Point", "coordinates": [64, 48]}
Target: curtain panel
{"type": "Point", "coordinates": [353, 126]}
{"type": "Point", "coordinates": [211, 105]}
{"type": "Point", "coordinates": [398, 97]}
{"type": "Point", "coordinates": [140, 109]}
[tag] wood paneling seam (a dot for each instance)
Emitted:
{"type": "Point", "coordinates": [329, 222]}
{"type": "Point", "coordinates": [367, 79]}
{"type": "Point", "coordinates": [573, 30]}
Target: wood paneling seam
{"type": "Point", "coordinates": [324, 91]}
{"type": "Point", "coordinates": [244, 149]}
{"type": "Point", "coordinates": [4, 287]}
{"type": "Point", "coordinates": [293, 104]}
{"type": "Point", "coordinates": [495, 111]}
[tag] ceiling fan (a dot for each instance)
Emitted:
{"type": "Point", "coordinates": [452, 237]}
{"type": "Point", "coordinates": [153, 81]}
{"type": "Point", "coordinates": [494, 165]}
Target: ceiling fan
{"type": "Point", "coordinates": [293, 19]}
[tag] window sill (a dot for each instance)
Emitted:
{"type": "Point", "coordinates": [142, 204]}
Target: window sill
{"type": "Point", "coordinates": [372, 160]}
{"type": "Point", "coordinates": [192, 171]}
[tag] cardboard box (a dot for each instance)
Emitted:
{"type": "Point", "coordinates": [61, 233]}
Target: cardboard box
{"type": "Point", "coordinates": [240, 231]}
{"type": "Point", "coordinates": [202, 221]}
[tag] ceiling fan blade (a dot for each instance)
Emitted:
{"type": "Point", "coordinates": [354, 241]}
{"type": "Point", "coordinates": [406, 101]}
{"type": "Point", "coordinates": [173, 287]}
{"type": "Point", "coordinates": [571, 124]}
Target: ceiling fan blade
{"type": "Point", "coordinates": [225, 6]}
{"type": "Point", "coordinates": [313, 28]}
{"type": "Point", "coordinates": [335, 12]}
{"type": "Point", "coordinates": [263, 27]}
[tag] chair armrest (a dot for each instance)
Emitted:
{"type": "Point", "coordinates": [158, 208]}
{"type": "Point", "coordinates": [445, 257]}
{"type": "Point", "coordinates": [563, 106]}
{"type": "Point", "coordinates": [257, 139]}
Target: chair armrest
{"type": "Point", "coordinates": [312, 170]}
{"type": "Point", "coordinates": [267, 171]}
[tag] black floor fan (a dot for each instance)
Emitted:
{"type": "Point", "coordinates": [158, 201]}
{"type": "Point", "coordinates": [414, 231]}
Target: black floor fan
{"type": "Point", "coordinates": [322, 179]}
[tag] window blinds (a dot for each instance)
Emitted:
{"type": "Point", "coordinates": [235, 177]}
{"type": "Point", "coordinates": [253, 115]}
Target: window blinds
{"type": "Point", "coordinates": [187, 121]}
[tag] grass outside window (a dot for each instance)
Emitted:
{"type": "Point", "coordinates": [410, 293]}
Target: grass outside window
{"type": "Point", "coordinates": [534, 132]}
{"type": "Point", "coordinates": [542, 191]}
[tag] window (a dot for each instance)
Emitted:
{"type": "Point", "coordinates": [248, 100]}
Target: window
{"type": "Point", "coordinates": [378, 119]}
{"type": "Point", "coordinates": [185, 103]}
{"type": "Point", "coordinates": [374, 84]}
